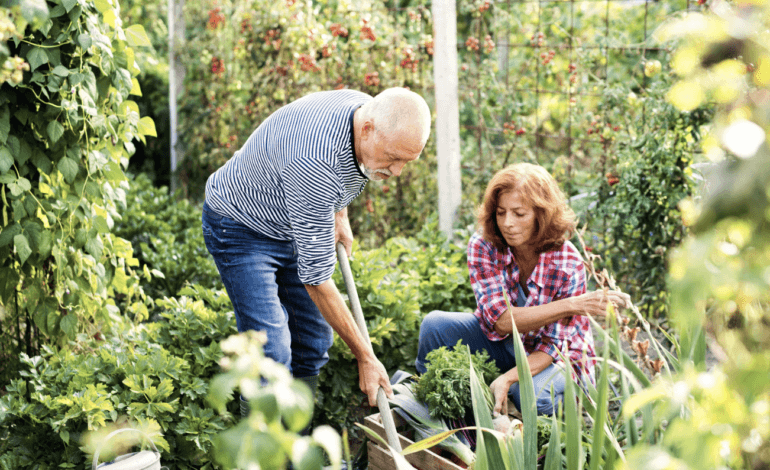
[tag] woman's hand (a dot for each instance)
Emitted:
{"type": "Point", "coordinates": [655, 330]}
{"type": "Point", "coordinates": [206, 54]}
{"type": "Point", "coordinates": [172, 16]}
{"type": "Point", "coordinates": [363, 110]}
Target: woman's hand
{"type": "Point", "coordinates": [532, 318]}
{"type": "Point", "coordinates": [500, 387]}
{"type": "Point", "coordinates": [595, 303]}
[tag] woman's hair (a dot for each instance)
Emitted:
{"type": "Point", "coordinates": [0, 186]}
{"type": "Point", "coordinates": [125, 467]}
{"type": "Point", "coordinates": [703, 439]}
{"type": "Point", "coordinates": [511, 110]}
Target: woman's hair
{"type": "Point", "coordinates": [555, 221]}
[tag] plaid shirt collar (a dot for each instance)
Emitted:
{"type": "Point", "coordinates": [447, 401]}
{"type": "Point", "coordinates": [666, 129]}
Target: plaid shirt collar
{"type": "Point", "coordinates": [539, 274]}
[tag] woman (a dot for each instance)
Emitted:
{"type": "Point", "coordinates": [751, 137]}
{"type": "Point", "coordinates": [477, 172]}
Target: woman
{"type": "Point", "coordinates": [522, 250]}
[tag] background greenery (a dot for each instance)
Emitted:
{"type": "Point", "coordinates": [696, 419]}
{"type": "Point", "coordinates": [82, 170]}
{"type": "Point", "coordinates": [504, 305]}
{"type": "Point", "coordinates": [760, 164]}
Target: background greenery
{"type": "Point", "coordinates": [100, 271]}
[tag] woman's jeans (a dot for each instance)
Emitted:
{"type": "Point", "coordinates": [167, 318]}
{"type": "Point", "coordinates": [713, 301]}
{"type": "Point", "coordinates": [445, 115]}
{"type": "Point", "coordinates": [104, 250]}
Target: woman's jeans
{"type": "Point", "coordinates": [261, 278]}
{"type": "Point", "coordinates": [446, 328]}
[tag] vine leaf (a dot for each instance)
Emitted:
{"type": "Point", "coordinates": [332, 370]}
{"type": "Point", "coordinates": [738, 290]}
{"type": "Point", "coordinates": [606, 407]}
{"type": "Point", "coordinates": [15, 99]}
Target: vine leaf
{"type": "Point", "coordinates": [147, 127]}
{"type": "Point", "coordinates": [55, 130]}
{"type": "Point", "coordinates": [6, 159]}
{"type": "Point", "coordinates": [36, 57]}
{"type": "Point", "coordinates": [84, 41]}
{"type": "Point", "coordinates": [69, 325]}
{"type": "Point", "coordinates": [69, 4]}
{"type": "Point", "coordinates": [137, 37]}
{"type": "Point", "coordinates": [5, 124]}
{"type": "Point", "coordinates": [22, 247]}
{"type": "Point", "coordinates": [68, 168]}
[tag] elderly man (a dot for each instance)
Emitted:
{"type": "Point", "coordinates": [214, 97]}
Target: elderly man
{"type": "Point", "coordinates": [275, 211]}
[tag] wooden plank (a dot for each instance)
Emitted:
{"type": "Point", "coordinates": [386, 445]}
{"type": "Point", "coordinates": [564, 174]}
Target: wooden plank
{"type": "Point", "coordinates": [380, 458]}
{"type": "Point", "coordinates": [447, 113]}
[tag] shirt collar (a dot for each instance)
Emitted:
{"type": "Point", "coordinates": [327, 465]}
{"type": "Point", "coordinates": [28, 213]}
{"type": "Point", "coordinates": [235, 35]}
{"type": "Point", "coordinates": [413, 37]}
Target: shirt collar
{"type": "Point", "coordinates": [353, 142]}
{"type": "Point", "coordinates": [539, 273]}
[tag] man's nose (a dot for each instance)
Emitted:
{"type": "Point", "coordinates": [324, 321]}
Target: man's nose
{"type": "Point", "coordinates": [396, 168]}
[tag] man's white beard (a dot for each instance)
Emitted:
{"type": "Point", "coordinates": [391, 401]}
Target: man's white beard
{"type": "Point", "coordinates": [375, 175]}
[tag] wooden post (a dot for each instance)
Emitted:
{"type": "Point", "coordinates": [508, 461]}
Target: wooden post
{"type": "Point", "coordinates": [447, 112]}
{"type": "Point", "coordinates": [176, 74]}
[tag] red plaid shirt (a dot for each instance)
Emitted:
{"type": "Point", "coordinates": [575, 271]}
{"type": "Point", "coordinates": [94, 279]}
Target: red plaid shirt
{"type": "Point", "coordinates": [559, 274]}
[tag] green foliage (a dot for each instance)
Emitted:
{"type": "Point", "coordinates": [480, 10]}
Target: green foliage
{"type": "Point", "coordinates": [636, 217]}
{"type": "Point", "coordinates": [154, 373]}
{"type": "Point", "coordinates": [66, 132]}
{"type": "Point", "coordinates": [718, 278]}
{"type": "Point", "coordinates": [166, 235]}
{"type": "Point", "coordinates": [445, 385]}
{"type": "Point", "coordinates": [397, 285]}
{"type": "Point", "coordinates": [280, 407]}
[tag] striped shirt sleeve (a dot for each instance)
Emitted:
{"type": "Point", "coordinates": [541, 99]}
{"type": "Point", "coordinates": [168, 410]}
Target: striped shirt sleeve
{"type": "Point", "coordinates": [311, 187]}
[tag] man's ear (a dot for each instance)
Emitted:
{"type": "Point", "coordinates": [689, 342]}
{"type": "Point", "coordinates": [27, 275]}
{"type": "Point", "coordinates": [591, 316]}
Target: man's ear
{"type": "Point", "coordinates": [367, 130]}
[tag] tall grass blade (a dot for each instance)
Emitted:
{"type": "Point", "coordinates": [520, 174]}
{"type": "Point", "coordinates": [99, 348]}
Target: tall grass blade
{"type": "Point", "coordinates": [572, 421]}
{"type": "Point", "coordinates": [626, 360]}
{"type": "Point", "coordinates": [553, 460]}
{"type": "Point", "coordinates": [527, 396]}
{"type": "Point", "coordinates": [600, 415]}
{"type": "Point", "coordinates": [629, 423]}
{"type": "Point", "coordinates": [489, 449]}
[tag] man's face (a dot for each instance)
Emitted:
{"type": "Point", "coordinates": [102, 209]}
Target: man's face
{"type": "Point", "coordinates": [383, 156]}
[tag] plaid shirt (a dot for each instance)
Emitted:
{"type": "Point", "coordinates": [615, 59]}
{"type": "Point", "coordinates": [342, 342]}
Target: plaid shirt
{"type": "Point", "coordinates": [559, 274]}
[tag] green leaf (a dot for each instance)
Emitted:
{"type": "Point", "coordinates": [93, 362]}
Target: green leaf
{"type": "Point", "coordinates": [35, 12]}
{"type": "Point", "coordinates": [22, 247]}
{"type": "Point", "coordinates": [94, 246]}
{"type": "Point", "coordinates": [5, 124]}
{"type": "Point", "coordinates": [36, 57]}
{"type": "Point", "coordinates": [102, 5]}
{"type": "Point", "coordinates": [61, 71]}
{"type": "Point", "coordinates": [68, 168]}
{"type": "Point", "coordinates": [69, 4]}
{"type": "Point", "coordinates": [69, 325]}
{"type": "Point", "coordinates": [100, 223]}
{"type": "Point", "coordinates": [7, 234]}
{"type": "Point", "coordinates": [84, 40]}
{"type": "Point", "coordinates": [6, 159]}
{"type": "Point", "coordinates": [528, 398]}
{"type": "Point", "coordinates": [147, 127]}
{"type": "Point", "coordinates": [55, 130]}
{"type": "Point", "coordinates": [137, 37]}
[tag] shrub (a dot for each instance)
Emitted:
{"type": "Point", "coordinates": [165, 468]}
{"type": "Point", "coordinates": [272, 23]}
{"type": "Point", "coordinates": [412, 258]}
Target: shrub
{"type": "Point", "coordinates": [165, 232]}
{"type": "Point", "coordinates": [154, 373]}
{"type": "Point", "coordinates": [66, 131]}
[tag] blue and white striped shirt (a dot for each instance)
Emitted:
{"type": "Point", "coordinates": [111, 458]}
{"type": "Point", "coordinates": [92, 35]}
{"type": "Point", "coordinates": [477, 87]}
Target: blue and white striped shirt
{"type": "Point", "coordinates": [293, 173]}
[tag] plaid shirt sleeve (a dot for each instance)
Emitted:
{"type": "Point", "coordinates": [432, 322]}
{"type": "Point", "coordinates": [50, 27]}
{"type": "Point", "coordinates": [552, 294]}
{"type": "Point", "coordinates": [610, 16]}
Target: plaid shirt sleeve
{"type": "Point", "coordinates": [569, 335]}
{"type": "Point", "coordinates": [488, 283]}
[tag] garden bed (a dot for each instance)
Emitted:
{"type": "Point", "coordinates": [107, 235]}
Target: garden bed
{"type": "Point", "coordinates": [428, 459]}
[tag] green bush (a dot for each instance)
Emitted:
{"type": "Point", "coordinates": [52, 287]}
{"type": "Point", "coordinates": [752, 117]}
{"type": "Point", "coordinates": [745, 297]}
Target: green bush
{"type": "Point", "coordinates": [166, 235]}
{"type": "Point", "coordinates": [154, 373]}
{"type": "Point", "coordinates": [66, 131]}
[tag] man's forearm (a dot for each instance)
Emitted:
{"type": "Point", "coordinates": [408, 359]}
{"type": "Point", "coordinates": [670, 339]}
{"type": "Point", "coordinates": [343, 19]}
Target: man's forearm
{"type": "Point", "coordinates": [329, 301]}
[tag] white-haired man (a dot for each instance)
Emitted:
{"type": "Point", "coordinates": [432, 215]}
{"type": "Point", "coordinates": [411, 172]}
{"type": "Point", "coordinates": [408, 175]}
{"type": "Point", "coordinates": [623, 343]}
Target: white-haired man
{"type": "Point", "coordinates": [275, 211]}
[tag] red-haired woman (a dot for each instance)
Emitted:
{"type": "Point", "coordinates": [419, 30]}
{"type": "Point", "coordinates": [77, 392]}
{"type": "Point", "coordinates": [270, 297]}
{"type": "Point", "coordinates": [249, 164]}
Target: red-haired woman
{"type": "Point", "coordinates": [522, 250]}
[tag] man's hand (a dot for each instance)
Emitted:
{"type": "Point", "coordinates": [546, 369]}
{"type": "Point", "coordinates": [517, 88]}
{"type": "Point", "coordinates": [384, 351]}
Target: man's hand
{"type": "Point", "coordinates": [342, 231]}
{"type": "Point", "coordinates": [372, 376]}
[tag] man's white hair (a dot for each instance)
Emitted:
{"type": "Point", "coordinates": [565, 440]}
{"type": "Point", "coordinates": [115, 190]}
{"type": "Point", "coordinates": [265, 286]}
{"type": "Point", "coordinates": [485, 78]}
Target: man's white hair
{"type": "Point", "coordinates": [396, 109]}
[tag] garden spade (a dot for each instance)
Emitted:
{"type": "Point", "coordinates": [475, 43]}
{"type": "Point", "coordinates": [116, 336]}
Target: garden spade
{"type": "Point", "coordinates": [358, 316]}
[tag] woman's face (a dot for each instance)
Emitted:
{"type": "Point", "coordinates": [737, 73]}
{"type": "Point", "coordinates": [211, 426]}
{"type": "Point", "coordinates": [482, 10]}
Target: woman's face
{"type": "Point", "coordinates": [515, 219]}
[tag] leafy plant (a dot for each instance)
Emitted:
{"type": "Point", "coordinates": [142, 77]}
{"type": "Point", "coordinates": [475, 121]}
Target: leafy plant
{"type": "Point", "coordinates": [156, 374]}
{"type": "Point", "coordinates": [165, 232]}
{"type": "Point", "coordinates": [66, 131]}
{"type": "Point", "coordinates": [445, 385]}
{"type": "Point", "coordinates": [280, 407]}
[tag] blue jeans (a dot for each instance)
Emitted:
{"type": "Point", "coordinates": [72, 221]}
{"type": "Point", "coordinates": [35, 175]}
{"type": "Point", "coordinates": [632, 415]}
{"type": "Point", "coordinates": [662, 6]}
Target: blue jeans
{"type": "Point", "coordinates": [261, 278]}
{"type": "Point", "coordinates": [446, 328]}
